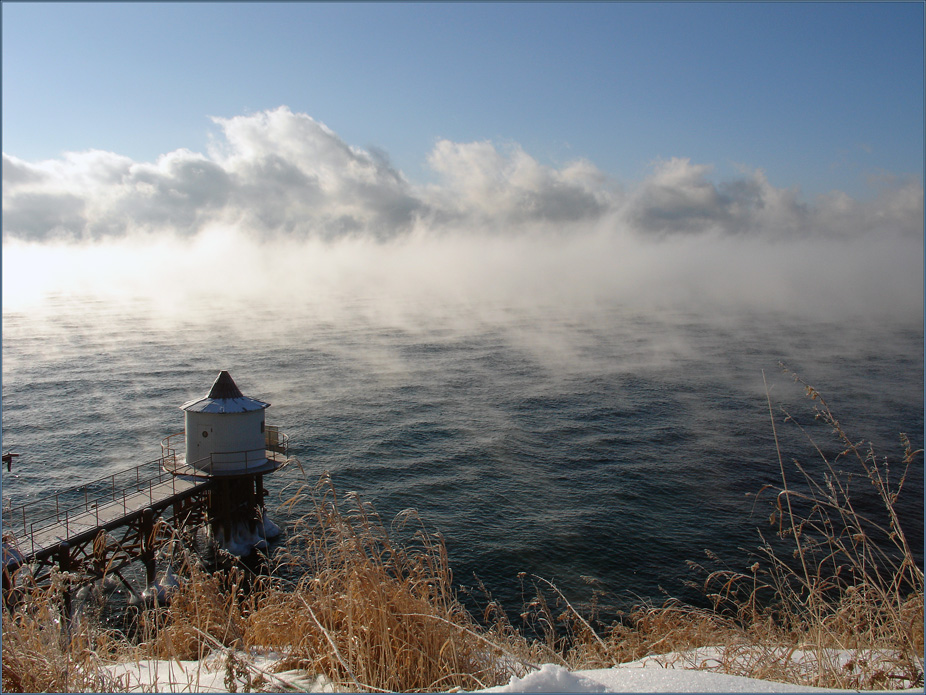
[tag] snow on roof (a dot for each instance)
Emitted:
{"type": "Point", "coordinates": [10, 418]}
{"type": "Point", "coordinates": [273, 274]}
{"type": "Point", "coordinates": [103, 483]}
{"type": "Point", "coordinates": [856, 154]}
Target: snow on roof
{"type": "Point", "coordinates": [224, 397]}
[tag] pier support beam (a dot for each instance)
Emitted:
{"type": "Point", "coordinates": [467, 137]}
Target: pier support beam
{"type": "Point", "coordinates": [119, 534]}
{"type": "Point", "coordinates": [7, 587]}
{"type": "Point", "coordinates": [147, 545]}
{"type": "Point", "coordinates": [65, 566]}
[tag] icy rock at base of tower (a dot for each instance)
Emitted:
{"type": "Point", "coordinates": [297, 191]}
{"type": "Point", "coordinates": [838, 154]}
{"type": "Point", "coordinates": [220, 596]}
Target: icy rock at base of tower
{"type": "Point", "coordinates": [242, 540]}
{"type": "Point", "coordinates": [271, 530]}
{"type": "Point", "coordinates": [162, 587]}
{"type": "Point", "coordinates": [12, 555]}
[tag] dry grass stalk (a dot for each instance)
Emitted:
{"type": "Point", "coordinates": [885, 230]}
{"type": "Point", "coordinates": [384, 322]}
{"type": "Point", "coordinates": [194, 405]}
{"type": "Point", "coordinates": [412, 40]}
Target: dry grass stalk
{"type": "Point", "coordinates": [42, 653]}
{"type": "Point", "coordinates": [842, 607]}
{"type": "Point", "coordinates": [371, 614]}
{"type": "Point", "coordinates": [849, 582]}
{"type": "Point", "coordinates": [206, 605]}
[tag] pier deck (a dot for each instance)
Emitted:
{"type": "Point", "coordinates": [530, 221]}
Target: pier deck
{"type": "Point", "coordinates": [35, 531]}
{"type": "Point", "coordinates": [96, 529]}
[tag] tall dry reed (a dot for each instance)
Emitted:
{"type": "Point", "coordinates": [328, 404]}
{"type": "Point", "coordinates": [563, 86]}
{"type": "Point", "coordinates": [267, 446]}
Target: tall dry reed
{"type": "Point", "coordinates": [346, 602]}
{"type": "Point", "coordinates": [43, 652]}
{"type": "Point", "coordinates": [833, 599]}
{"type": "Point", "coordinates": [369, 612]}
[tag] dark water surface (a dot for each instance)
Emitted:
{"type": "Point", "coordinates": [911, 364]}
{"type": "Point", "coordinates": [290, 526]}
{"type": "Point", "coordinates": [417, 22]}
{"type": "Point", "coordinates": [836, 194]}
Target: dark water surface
{"type": "Point", "coordinates": [598, 448]}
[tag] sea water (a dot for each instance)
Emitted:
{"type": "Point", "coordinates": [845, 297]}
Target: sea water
{"type": "Point", "coordinates": [599, 447]}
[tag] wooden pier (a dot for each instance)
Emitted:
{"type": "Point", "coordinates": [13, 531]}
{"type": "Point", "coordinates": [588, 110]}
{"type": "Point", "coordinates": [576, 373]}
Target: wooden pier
{"type": "Point", "coordinates": [209, 474]}
{"type": "Point", "coordinates": [94, 530]}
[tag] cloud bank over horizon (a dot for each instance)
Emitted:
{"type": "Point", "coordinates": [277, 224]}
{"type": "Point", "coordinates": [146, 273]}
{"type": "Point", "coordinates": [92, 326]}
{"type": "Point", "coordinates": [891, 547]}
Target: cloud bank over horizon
{"type": "Point", "coordinates": [282, 195]}
{"type": "Point", "coordinates": [282, 173]}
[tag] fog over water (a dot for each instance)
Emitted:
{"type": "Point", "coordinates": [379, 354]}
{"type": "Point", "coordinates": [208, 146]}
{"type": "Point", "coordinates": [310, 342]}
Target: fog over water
{"type": "Point", "coordinates": [563, 373]}
{"type": "Point", "coordinates": [286, 209]}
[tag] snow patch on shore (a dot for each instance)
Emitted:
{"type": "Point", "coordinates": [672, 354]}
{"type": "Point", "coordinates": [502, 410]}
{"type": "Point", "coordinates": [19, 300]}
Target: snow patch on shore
{"type": "Point", "coordinates": [668, 673]}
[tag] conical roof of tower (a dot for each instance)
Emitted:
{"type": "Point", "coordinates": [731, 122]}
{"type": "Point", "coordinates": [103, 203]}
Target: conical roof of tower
{"type": "Point", "coordinates": [224, 387]}
{"type": "Point", "coordinates": [224, 397]}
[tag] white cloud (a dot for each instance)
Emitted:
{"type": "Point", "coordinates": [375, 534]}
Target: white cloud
{"type": "Point", "coordinates": [680, 198]}
{"type": "Point", "coordinates": [295, 174]}
{"type": "Point", "coordinates": [478, 180]}
{"type": "Point", "coordinates": [282, 173]}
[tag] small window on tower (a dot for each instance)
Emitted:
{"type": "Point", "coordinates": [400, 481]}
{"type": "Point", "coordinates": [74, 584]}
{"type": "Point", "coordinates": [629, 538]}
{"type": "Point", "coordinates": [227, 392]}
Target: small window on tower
{"type": "Point", "coordinates": [205, 434]}
{"type": "Point", "coordinates": [261, 426]}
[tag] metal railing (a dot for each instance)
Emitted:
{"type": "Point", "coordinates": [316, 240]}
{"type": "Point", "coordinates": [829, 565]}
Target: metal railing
{"type": "Point", "coordinates": [275, 440]}
{"type": "Point", "coordinates": [78, 508]}
{"type": "Point", "coordinates": [130, 489]}
{"type": "Point", "coordinates": [275, 450]}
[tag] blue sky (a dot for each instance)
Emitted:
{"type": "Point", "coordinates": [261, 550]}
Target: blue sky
{"type": "Point", "coordinates": [820, 96]}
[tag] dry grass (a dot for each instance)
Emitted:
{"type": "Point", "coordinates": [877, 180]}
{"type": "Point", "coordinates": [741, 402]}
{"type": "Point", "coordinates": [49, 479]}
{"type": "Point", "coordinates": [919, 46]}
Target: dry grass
{"type": "Point", "coordinates": [42, 653]}
{"type": "Point", "coordinates": [569, 638]}
{"type": "Point", "coordinates": [205, 611]}
{"type": "Point", "coordinates": [834, 599]}
{"type": "Point", "coordinates": [366, 613]}
{"type": "Point", "coordinates": [842, 576]}
{"type": "Point", "coordinates": [371, 613]}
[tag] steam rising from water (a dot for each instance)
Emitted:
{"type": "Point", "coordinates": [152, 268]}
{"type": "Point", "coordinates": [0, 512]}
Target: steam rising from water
{"type": "Point", "coordinates": [475, 271]}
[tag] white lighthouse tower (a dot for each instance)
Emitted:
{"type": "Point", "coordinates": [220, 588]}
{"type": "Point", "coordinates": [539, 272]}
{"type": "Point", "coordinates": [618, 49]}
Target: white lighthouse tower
{"type": "Point", "coordinates": [225, 431]}
{"type": "Point", "coordinates": [227, 440]}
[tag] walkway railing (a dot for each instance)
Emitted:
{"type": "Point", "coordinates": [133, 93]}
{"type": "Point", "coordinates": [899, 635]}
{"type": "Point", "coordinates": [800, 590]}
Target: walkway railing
{"type": "Point", "coordinates": [103, 501]}
{"type": "Point", "coordinates": [276, 448]}
{"type": "Point", "coordinates": [92, 504]}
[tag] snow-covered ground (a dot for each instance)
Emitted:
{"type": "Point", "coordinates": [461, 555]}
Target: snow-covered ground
{"type": "Point", "coordinates": [669, 673]}
{"type": "Point", "coordinates": [644, 676]}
